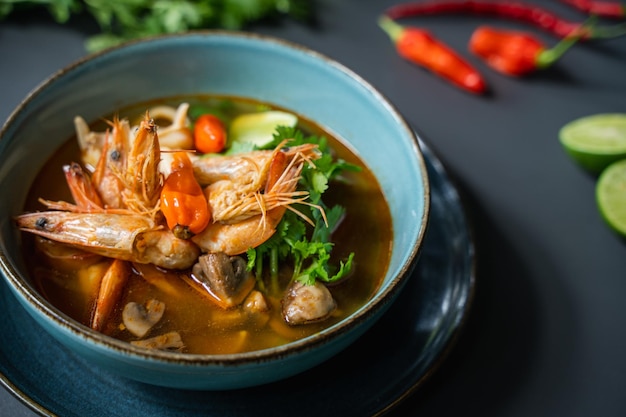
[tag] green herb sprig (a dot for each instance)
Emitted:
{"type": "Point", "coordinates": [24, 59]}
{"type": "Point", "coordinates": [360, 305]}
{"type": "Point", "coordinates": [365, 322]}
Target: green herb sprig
{"type": "Point", "coordinates": [123, 20]}
{"type": "Point", "coordinates": [308, 250]}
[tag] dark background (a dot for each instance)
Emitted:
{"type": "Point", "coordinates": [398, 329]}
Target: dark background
{"type": "Point", "coordinates": [546, 334]}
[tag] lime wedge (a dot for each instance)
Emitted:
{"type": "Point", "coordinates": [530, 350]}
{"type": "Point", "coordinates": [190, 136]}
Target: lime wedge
{"type": "Point", "coordinates": [596, 141]}
{"type": "Point", "coordinates": [611, 196]}
{"type": "Point", "coordinates": [259, 128]}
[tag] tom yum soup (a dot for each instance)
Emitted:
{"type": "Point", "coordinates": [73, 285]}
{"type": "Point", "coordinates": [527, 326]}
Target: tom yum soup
{"type": "Point", "coordinates": [206, 225]}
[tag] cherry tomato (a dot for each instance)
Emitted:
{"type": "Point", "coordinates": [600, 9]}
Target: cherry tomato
{"type": "Point", "coordinates": [209, 134]}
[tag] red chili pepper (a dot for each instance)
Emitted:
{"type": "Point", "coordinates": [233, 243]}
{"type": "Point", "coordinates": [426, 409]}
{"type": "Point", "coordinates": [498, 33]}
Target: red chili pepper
{"type": "Point", "coordinates": [518, 53]}
{"type": "Point", "coordinates": [513, 52]}
{"type": "Point", "coordinates": [420, 47]}
{"type": "Point", "coordinates": [610, 9]}
{"type": "Point", "coordinates": [518, 11]}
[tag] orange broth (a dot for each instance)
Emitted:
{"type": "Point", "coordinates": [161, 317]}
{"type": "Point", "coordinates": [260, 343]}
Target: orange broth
{"type": "Point", "coordinates": [204, 327]}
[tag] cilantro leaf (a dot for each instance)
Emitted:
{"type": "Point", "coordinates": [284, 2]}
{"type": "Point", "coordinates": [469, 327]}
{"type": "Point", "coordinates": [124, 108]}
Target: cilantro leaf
{"type": "Point", "coordinates": [308, 248]}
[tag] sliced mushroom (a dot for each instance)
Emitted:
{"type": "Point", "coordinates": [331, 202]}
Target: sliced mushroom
{"type": "Point", "coordinates": [223, 277]}
{"type": "Point", "coordinates": [167, 341]}
{"type": "Point", "coordinates": [307, 303]}
{"type": "Point", "coordinates": [139, 319]}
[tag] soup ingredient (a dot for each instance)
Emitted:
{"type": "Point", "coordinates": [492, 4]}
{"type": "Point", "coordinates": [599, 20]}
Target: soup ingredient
{"type": "Point", "coordinates": [310, 256]}
{"type": "Point", "coordinates": [83, 191]}
{"type": "Point", "coordinates": [139, 319]}
{"type": "Point", "coordinates": [182, 200]}
{"type": "Point", "coordinates": [126, 171]}
{"type": "Point", "coordinates": [90, 143]}
{"type": "Point", "coordinates": [167, 341]}
{"type": "Point", "coordinates": [225, 278]}
{"type": "Point", "coordinates": [209, 134]}
{"type": "Point", "coordinates": [420, 47]}
{"type": "Point", "coordinates": [176, 135]}
{"type": "Point", "coordinates": [245, 204]}
{"type": "Point", "coordinates": [109, 293]}
{"type": "Point", "coordinates": [595, 141]}
{"type": "Point", "coordinates": [611, 196]}
{"type": "Point", "coordinates": [111, 164]}
{"type": "Point", "coordinates": [304, 303]}
{"type": "Point", "coordinates": [65, 257]}
{"type": "Point", "coordinates": [121, 21]}
{"type": "Point", "coordinates": [258, 128]}
{"type": "Point", "coordinates": [514, 10]}
{"type": "Point", "coordinates": [515, 53]}
{"type": "Point", "coordinates": [141, 177]}
{"type": "Point", "coordinates": [255, 303]}
{"type": "Point", "coordinates": [129, 236]}
{"type": "Point", "coordinates": [610, 9]}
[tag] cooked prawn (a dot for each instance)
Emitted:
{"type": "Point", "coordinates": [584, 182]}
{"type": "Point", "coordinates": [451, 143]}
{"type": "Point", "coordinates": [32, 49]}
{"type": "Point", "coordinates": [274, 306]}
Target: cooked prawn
{"type": "Point", "coordinates": [250, 218]}
{"type": "Point", "coordinates": [141, 179]}
{"type": "Point", "coordinates": [130, 236]}
{"type": "Point", "coordinates": [113, 160]}
{"type": "Point", "coordinates": [251, 184]}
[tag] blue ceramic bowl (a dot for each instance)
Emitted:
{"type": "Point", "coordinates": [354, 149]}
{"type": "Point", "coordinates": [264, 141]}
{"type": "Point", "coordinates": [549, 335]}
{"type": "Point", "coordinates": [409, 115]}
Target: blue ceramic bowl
{"type": "Point", "coordinates": [233, 64]}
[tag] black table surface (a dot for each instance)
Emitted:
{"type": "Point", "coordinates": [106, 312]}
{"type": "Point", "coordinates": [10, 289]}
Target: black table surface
{"type": "Point", "coordinates": [546, 332]}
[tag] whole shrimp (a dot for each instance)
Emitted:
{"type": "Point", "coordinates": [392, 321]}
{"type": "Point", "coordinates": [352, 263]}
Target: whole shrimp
{"type": "Point", "coordinates": [248, 195]}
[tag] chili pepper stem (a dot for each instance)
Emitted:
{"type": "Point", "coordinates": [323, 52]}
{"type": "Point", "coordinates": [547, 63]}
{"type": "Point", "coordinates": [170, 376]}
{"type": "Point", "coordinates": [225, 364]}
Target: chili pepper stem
{"type": "Point", "coordinates": [393, 29]}
{"type": "Point", "coordinates": [547, 57]}
{"type": "Point", "coordinates": [609, 32]}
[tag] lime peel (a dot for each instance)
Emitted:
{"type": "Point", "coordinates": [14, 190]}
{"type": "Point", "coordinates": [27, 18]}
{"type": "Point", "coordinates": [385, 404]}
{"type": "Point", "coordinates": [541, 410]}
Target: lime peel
{"type": "Point", "coordinates": [611, 196]}
{"type": "Point", "coordinates": [595, 141]}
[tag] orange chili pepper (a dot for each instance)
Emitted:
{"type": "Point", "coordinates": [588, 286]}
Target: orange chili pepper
{"type": "Point", "coordinates": [420, 47]}
{"type": "Point", "coordinates": [182, 201]}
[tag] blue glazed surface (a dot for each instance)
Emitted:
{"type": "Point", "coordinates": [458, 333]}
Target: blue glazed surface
{"type": "Point", "coordinates": [426, 317]}
{"type": "Point", "coordinates": [232, 64]}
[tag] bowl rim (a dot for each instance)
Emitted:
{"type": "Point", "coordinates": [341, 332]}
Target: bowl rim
{"type": "Point", "coordinates": [379, 301]}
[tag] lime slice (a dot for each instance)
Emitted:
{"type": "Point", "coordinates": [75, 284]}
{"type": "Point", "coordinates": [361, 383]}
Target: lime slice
{"type": "Point", "coordinates": [595, 141]}
{"type": "Point", "coordinates": [259, 128]}
{"type": "Point", "coordinates": [611, 196]}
